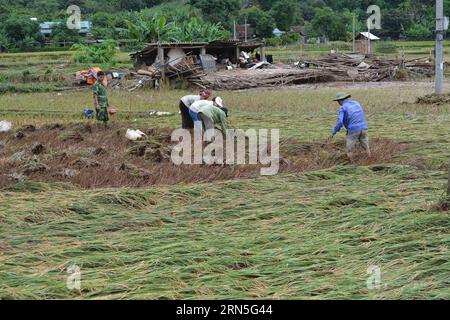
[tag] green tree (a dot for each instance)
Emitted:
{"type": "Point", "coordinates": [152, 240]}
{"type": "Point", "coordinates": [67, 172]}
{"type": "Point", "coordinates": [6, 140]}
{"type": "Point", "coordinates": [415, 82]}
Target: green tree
{"type": "Point", "coordinates": [151, 26]}
{"type": "Point", "coordinates": [218, 11]}
{"type": "Point", "coordinates": [21, 31]}
{"type": "Point", "coordinates": [327, 23]}
{"type": "Point", "coordinates": [419, 32]}
{"type": "Point", "coordinates": [5, 43]}
{"type": "Point", "coordinates": [284, 12]}
{"type": "Point", "coordinates": [131, 5]}
{"type": "Point", "coordinates": [394, 23]}
{"type": "Point", "coordinates": [259, 19]}
{"type": "Point", "coordinates": [60, 33]}
{"type": "Point", "coordinates": [266, 5]}
{"type": "Point", "coordinates": [104, 20]}
{"type": "Point", "coordinates": [104, 25]}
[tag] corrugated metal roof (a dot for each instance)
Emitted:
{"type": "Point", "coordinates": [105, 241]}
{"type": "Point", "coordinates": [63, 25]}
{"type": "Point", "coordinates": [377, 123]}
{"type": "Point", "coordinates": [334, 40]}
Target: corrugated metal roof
{"type": "Point", "coordinates": [370, 36]}
{"type": "Point", "coordinates": [176, 44]}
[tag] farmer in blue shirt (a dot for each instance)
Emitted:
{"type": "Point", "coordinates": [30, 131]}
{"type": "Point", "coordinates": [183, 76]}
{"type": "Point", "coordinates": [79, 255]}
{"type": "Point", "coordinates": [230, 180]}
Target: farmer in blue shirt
{"type": "Point", "coordinates": [353, 118]}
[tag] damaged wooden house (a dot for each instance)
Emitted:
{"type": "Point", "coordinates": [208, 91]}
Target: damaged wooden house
{"type": "Point", "coordinates": [192, 60]}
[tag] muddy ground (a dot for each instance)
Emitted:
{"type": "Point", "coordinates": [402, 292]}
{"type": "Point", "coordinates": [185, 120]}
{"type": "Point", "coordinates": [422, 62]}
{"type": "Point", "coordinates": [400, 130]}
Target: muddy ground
{"type": "Point", "coordinates": [93, 157]}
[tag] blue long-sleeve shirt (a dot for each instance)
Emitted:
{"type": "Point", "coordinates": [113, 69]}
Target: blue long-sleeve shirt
{"type": "Point", "coordinates": [352, 117]}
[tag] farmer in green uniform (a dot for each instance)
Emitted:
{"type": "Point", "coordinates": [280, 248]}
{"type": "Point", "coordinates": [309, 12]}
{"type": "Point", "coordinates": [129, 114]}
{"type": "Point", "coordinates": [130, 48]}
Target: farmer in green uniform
{"type": "Point", "coordinates": [214, 114]}
{"type": "Point", "coordinates": [101, 99]}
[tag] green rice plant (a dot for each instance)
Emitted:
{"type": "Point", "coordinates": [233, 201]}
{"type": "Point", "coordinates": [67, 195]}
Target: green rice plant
{"type": "Point", "coordinates": [25, 88]}
{"type": "Point", "coordinates": [386, 47]}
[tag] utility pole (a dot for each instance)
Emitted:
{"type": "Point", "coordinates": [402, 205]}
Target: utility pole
{"type": "Point", "coordinates": [439, 47]}
{"type": "Point", "coordinates": [245, 29]}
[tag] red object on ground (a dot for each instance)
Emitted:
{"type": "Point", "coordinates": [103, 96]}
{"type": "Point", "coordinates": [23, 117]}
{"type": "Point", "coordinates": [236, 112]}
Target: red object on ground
{"type": "Point", "coordinates": [112, 111]}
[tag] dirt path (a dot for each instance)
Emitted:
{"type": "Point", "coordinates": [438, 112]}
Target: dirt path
{"type": "Point", "coordinates": [355, 85]}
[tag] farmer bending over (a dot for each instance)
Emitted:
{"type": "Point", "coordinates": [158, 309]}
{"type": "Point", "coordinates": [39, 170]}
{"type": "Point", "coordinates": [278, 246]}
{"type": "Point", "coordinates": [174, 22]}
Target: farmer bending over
{"type": "Point", "coordinates": [101, 99]}
{"type": "Point", "coordinates": [186, 102]}
{"type": "Point", "coordinates": [214, 114]}
{"type": "Point", "coordinates": [353, 118]}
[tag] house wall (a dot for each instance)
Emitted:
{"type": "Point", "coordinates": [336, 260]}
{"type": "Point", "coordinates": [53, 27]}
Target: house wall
{"type": "Point", "coordinates": [362, 46]}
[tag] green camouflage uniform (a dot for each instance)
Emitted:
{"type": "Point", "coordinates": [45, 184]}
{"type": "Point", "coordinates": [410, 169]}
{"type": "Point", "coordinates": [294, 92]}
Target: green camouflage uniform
{"type": "Point", "coordinates": [99, 91]}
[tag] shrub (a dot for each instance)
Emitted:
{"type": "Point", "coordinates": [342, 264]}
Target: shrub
{"type": "Point", "coordinates": [102, 53]}
{"type": "Point", "coordinates": [419, 32]}
{"type": "Point", "coordinates": [274, 42]}
{"type": "Point", "coordinates": [290, 38]}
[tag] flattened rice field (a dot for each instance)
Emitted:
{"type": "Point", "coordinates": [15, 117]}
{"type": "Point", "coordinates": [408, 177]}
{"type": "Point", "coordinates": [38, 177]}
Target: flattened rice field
{"type": "Point", "coordinates": [302, 234]}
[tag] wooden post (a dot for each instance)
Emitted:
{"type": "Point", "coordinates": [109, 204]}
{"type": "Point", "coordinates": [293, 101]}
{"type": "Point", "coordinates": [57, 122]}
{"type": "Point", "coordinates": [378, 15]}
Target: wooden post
{"type": "Point", "coordinates": [263, 53]}
{"type": "Point", "coordinates": [238, 53]}
{"type": "Point", "coordinates": [161, 61]}
{"type": "Point", "coordinates": [245, 29]}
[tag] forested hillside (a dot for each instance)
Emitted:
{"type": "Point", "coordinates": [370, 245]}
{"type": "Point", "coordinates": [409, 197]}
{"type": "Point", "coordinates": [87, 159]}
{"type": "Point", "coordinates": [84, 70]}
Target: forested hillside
{"type": "Point", "coordinates": [189, 20]}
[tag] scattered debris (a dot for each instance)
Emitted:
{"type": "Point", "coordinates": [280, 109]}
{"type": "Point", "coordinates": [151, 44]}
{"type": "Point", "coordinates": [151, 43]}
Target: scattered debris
{"type": "Point", "coordinates": [134, 135]}
{"type": "Point", "coordinates": [152, 72]}
{"type": "Point", "coordinates": [82, 163]}
{"type": "Point", "coordinates": [158, 154]}
{"type": "Point", "coordinates": [134, 171]}
{"type": "Point", "coordinates": [434, 99]}
{"type": "Point", "coordinates": [97, 151]}
{"type": "Point", "coordinates": [19, 135]}
{"type": "Point", "coordinates": [338, 67]}
{"type": "Point", "coordinates": [370, 68]}
{"type": "Point", "coordinates": [28, 128]}
{"type": "Point", "coordinates": [19, 156]}
{"type": "Point", "coordinates": [137, 150]}
{"type": "Point", "coordinates": [34, 167]}
{"type": "Point", "coordinates": [74, 136]}
{"type": "Point", "coordinates": [17, 177]}
{"type": "Point", "coordinates": [37, 148]}
{"type": "Point", "coordinates": [5, 126]}
{"type": "Point", "coordinates": [153, 113]}
{"type": "Point", "coordinates": [88, 113]}
{"type": "Point", "coordinates": [56, 126]}
{"type": "Point", "coordinates": [70, 173]}
{"type": "Point", "coordinates": [259, 65]}
{"type": "Point", "coordinates": [57, 156]}
{"type": "Point", "coordinates": [275, 77]}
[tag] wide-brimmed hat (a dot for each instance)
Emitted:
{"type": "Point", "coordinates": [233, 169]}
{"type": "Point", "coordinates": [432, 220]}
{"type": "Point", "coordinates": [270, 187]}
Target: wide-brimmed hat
{"type": "Point", "coordinates": [219, 101]}
{"type": "Point", "coordinates": [342, 96]}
